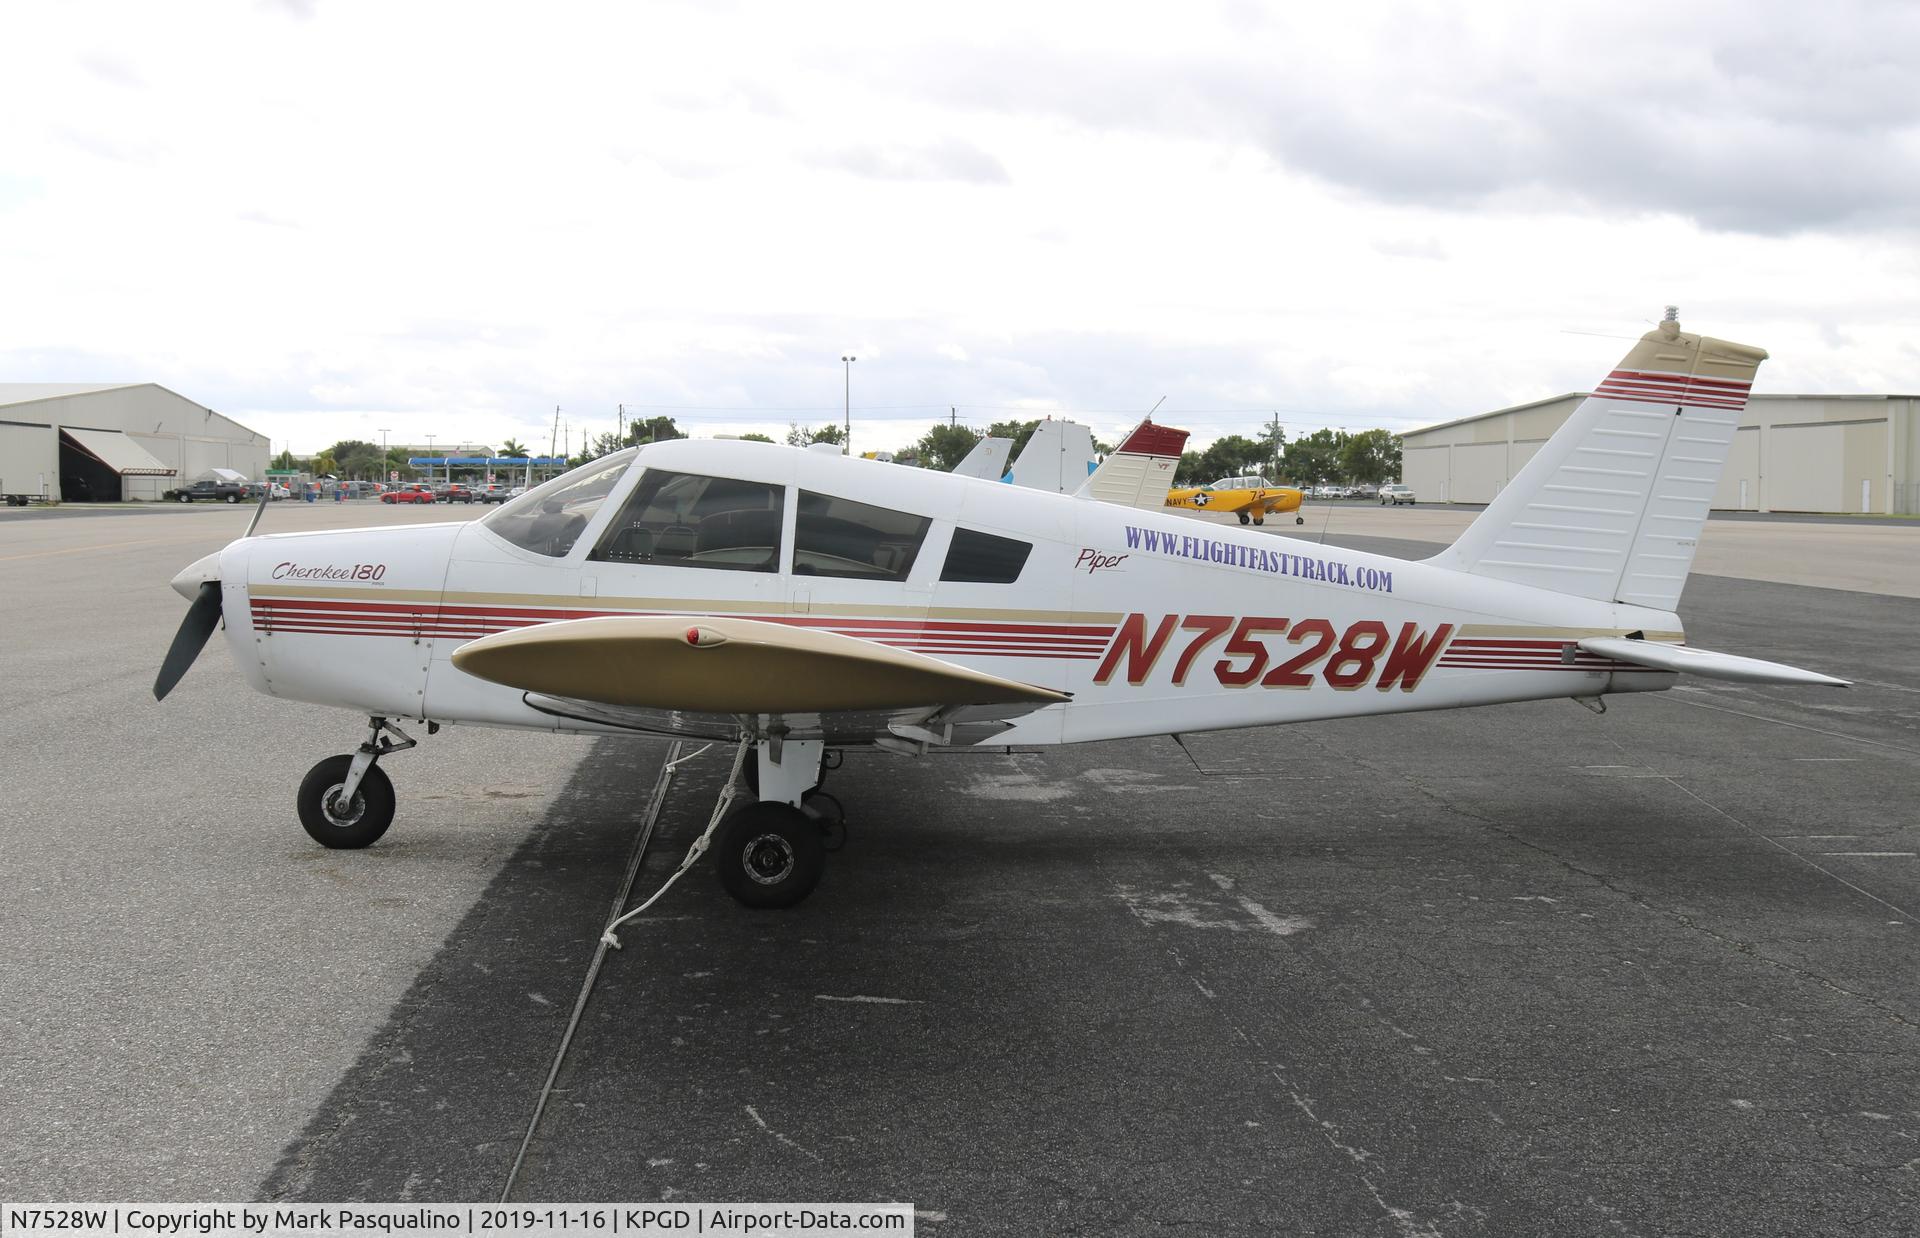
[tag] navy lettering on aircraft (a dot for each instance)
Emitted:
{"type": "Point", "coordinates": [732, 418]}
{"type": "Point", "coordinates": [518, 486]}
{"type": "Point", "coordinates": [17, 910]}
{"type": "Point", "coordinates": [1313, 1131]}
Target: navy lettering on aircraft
{"type": "Point", "coordinates": [1260, 559]}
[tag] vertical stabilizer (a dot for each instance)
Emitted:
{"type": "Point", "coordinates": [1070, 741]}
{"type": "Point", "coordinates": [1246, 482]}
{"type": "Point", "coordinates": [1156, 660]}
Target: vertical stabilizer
{"type": "Point", "coordinates": [1611, 507]}
{"type": "Point", "coordinates": [987, 460]}
{"type": "Point", "coordinates": [1139, 472]}
{"type": "Point", "coordinates": [1058, 456]}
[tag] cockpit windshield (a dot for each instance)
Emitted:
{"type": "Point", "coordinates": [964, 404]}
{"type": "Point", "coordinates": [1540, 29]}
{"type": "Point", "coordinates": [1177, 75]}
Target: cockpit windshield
{"type": "Point", "coordinates": [549, 518]}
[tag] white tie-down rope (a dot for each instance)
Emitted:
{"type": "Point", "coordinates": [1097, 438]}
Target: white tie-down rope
{"type": "Point", "coordinates": [607, 939]}
{"type": "Point", "coordinates": [699, 846]}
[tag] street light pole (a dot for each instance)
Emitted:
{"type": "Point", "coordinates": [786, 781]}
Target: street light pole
{"type": "Point", "coordinates": [430, 439]}
{"type": "Point", "coordinates": [846, 441]}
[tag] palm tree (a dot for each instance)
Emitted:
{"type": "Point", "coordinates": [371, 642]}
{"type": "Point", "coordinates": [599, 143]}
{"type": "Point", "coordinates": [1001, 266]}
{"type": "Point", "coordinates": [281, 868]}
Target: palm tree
{"type": "Point", "coordinates": [513, 447]}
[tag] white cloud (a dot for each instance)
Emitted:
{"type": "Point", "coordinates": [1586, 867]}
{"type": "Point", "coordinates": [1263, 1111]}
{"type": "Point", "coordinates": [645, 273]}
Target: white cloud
{"type": "Point", "coordinates": [454, 217]}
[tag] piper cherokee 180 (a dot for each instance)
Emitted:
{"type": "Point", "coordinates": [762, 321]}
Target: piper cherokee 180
{"type": "Point", "coordinates": [796, 602]}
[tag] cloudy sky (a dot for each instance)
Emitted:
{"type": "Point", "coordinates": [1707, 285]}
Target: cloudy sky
{"type": "Point", "coordinates": [325, 216]}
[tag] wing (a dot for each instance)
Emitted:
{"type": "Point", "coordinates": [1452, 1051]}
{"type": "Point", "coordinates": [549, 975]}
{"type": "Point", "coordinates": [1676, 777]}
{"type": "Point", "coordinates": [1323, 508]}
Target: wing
{"type": "Point", "coordinates": [715, 675]}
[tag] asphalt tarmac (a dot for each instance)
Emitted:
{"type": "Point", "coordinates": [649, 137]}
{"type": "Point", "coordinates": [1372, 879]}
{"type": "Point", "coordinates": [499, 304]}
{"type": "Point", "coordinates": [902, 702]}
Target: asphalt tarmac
{"type": "Point", "coordinates": [1521, 970]}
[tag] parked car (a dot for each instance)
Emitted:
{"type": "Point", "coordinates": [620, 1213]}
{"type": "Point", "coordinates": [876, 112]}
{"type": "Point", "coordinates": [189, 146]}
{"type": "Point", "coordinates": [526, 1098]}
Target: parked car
{"type": "Point", "coordinates": [493, 493]}
{"type": "Point", "coordinates": [456, 493]}
{"type": "Point", "coordinates": [417, 492]}
{"type": "Point", "coordinates": [210, 491]}
{"type": "Point", "coordinates": [1396, 495]}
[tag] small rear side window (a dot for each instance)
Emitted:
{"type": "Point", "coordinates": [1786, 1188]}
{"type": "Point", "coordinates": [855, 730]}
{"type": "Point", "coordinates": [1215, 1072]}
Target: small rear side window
{"type": "Point", "coordinates": [839, 537]}
{"type": "Point", "coordinates": [982, 558]}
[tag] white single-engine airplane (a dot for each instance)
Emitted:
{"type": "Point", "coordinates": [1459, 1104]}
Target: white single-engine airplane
{"type": "Point", "coordinates": [799, 602]}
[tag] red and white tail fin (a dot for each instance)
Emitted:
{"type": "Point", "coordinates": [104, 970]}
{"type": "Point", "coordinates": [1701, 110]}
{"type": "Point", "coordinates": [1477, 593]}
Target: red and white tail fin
{"type": "Point", "coordinates": [1611, 507]}
{"type": "Point", "coordinates": [1139, 472]}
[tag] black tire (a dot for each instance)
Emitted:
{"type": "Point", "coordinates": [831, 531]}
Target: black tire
{"type": "Point", "coordinates": [1299, 519]}
{"type": "Point", "coordinates": [1244, 518]}
{"type": "Point", "coordinates": [769, 854]}
{"type": "Point", "coordinates": [184, 498]}
{"type": "Point", "coordinates": [233, 498]}
{"type": "Point", "coordinates": [362, 826]}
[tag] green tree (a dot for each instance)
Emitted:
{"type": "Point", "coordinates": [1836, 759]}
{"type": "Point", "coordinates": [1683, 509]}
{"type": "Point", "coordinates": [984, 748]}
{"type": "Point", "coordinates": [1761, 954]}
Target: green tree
{"type": "Point", "coordinates": [1370, 456]}
{"type": "Point", "coordinates": [1314, 459]}
{"type": "Point", "coordinates": [1273, 437]}
{"type": "Point", "coordinates": [513, 447]}
{"type": "Point", "coordinates": [943, 447]}
{"type": "Point", "coordinates": [1018, 431]}
{"type": "Point", "coordinates": [800, 436]}
{"type": "Point", "coordinates": [284, 461]}
{"type": "Point", "coordinates": [1231, 455]}
{"type": "Point", "coordinates": [324, 465]}
{"type": "Point", "coordinates": [652, 430]}
{"type": "Point", "coordinates": [755, 438]}
{"type": "Point", "coordinates": [357, 459]}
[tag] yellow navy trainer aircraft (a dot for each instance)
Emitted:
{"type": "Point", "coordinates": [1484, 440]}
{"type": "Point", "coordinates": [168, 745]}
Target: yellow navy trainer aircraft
{"type": "Point", "coordinates": [796, 602]}
{"type": "Point", "coordinates": [1253, 499]}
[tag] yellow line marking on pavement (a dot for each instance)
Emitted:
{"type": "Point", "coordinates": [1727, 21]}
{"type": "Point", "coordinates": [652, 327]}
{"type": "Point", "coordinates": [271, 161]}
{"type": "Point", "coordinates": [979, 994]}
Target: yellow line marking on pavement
{"type": "Point", "coordinates": [72, 550]}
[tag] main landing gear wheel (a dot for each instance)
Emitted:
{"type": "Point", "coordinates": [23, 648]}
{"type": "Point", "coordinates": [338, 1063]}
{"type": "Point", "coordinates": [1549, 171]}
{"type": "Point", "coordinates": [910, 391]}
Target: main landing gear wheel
{"type": "Point", "coordinates": [1244, 518]}
{"type": "Point", "coordinates": [769, 854]}
{"type": "Point", "coordinates": [357, 823]}
{"type": "Point", "coordinates": [1299, 519]}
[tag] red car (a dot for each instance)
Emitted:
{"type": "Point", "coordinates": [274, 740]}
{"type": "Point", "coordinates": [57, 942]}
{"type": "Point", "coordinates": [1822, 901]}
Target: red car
{"type": "Point", "coordinates": [418, 492]}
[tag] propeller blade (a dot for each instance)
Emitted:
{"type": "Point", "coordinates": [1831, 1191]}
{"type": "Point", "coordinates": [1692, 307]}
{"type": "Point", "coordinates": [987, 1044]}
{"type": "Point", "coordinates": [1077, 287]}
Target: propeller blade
{"type": "Point", "coordinates": [202, 618]}
{"type": "Point", "coordinates": [266, 496]}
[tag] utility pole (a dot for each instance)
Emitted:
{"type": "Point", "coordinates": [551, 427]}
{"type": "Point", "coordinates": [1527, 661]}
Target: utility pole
{"type": "Point", "coordinates": [846, 447]}
{"type": "Point", "coordinates": [430, 439]}
{"type": "Point", "coordinates": [553, 440]}
{"type": "Point", "coordinates": [620, 433]}
{"type": "Point", "coordinates": [953, 416]}
{"type": "Point", "coordinates": [1273, 443]}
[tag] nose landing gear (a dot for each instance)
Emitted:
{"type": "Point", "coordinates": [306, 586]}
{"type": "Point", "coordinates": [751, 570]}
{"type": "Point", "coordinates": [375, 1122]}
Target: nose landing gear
{"type": "Point", "coordinates": [346, 802]}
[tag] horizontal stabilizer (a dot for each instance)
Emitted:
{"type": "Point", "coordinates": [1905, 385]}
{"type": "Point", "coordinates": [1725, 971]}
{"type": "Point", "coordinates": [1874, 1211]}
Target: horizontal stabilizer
{"type": "Point", "coordinates": [1703, 662]}
{"type": "Point", "coordinates": [722, 665]}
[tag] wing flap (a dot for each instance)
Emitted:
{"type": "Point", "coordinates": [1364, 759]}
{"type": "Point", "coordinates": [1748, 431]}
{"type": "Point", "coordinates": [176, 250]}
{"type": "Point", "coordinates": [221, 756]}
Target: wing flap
{"type": "Point", "coordinates": [712, 664]}
{"type": "Point", "coordinates": [1703, 662]}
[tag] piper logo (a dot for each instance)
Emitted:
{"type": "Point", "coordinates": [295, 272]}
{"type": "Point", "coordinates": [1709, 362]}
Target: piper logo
{"type": "Point", "coordinates": [1095, 561]}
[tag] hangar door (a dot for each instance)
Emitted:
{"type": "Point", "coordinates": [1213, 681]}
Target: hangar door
{"type": "Point", "coordinates": [1425, 469]}
{"type": "Point", "coordinates": [1479, 471]}
{"type": "Point", "coordinates": [1828, 467]}
{"type": "Point", "coordinates": [1740, 481]}
{"type": "Point", "coordinates": [93, 462]}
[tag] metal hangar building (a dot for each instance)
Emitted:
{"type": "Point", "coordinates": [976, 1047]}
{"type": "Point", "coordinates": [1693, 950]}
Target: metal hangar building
{"type": "Point", "coordinates": [106, 442]}
{"type": "Point", "coordinates": [1792, 453]}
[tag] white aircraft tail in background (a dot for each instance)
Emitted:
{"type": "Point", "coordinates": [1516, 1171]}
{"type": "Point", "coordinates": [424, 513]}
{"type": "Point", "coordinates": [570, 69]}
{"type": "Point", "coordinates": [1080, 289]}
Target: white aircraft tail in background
{"type": "Point", "coordinates": [1058, 456]}
{"type": "Point", "coordinates": [1139, 472]}
{"type": "Point", "coordinates": [987, 460]}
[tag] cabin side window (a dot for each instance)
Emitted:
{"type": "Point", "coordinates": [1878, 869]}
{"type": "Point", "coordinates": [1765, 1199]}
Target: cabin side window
{"type": "Point", "coordinates": [690, 520]}
{"type": "Point", "coordinates": [982, 558]}
{"type": "Point", "coordinates": [838, 537]}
